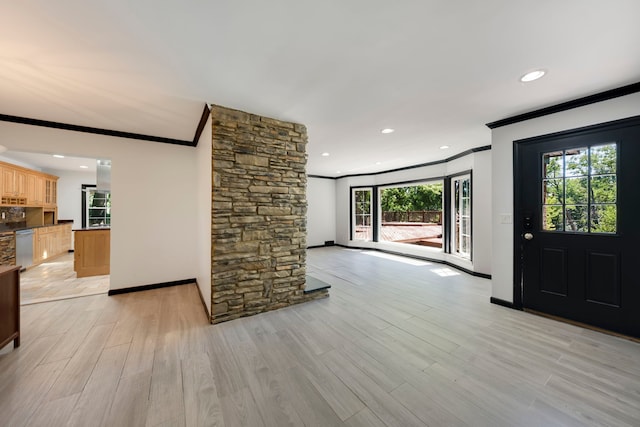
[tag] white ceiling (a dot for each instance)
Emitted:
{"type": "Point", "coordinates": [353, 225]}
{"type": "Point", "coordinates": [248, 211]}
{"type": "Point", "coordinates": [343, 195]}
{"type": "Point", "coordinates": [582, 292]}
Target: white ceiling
{"type": "Point", "coordinates": [435, 70]}
{"type": "Point", "coordinates": [46, 162]}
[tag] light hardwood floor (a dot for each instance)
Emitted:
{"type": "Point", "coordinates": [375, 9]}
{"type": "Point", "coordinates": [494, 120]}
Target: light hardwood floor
{"type": "Point", "coordinates": [398, 343]}
{"type": "Point", "coordinates": [54, 280]}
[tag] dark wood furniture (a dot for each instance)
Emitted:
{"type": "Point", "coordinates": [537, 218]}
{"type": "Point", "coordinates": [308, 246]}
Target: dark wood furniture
{"type": "Point", "coordinates": [9, 305]}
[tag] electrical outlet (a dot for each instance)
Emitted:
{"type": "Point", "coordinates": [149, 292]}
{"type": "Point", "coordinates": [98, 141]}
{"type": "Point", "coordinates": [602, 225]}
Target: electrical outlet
{"type": "Point", "coordinates": [24, 214]}
{"type": "Point", "coordinates": [4, 216]}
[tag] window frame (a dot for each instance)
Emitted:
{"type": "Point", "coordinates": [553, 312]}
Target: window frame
{"type": "Point", "coordinates": [86, 189]}
{"type": "Point", "coordinates": [446, 210]}
{"type": "Point", "coordinates": [412, 183]}
{"type": "Point", "coordinates": [353, 213]}
{"type": "Point", "coordinates": [454, 240]}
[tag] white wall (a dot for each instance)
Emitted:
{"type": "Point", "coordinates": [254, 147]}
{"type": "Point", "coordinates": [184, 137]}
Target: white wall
{"type": "Point", "coordinates": [481, 209]}
{"type": "Point", "coordinates": [70, 194]}
{"type": "Point", "coordinates": [502, 177]}
{"type": "Point", "coordinates": [203, 222]}
{"type": "Point", "coordinates": [154, 235]}
{"type": "Point", "coordinates": [321, 211]}
{"type": "Point", "coordinates": [19, 163]}
{"type": "Point", "coordinates": [479, 163]}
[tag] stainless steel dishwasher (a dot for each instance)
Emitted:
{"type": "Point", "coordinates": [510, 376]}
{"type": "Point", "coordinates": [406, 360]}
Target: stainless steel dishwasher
{"type": "Point", "coordinates": [24, 248]}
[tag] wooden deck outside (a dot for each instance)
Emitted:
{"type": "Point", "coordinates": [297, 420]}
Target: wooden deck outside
{"type": "Point", "coordinates": [425, 234]}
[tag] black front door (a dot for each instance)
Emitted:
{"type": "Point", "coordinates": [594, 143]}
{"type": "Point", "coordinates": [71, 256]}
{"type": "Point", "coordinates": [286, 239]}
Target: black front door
{"type": "Point", "coordinates": [577, 223]}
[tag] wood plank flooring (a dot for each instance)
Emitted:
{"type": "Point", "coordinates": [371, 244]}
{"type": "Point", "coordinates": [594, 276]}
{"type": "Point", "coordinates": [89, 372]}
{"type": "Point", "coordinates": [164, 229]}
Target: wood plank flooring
{"type": "Point", "coordinates": [55, 279]}
{"type": "Point", "coordinates": [399, 342]}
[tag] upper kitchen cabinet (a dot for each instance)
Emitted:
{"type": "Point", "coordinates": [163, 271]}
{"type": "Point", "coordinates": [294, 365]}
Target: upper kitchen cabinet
{"type": "Point", "coordinates": [51, 191]}
{"type": "Point", "coordinates": [26, 187]}
{"type": "Point", "coordinates": [35, 189]}
{"type": "Point", "coordinates": [14, 186]}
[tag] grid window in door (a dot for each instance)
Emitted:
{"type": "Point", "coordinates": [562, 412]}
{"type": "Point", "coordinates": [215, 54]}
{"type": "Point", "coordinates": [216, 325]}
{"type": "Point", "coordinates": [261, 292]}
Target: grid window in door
{"type": "Point", "coordinates": [362, 214]}
{"type": "Point", "coordinates": [579, 189]}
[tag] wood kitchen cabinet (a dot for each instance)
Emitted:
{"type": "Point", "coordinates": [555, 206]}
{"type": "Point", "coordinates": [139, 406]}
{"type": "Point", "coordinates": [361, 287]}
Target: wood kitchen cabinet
{"type": "Point", "coordinates": [92, 252]}
{"type": "Point", "coordinates": [41, 244]}
{"type": "Point", "coordinates": [50, 242]}
{"type": "Point", "coordinates": [50, 192]}
{"type": "Point", "coordinates": [25, 187]}
{"type": "Point", "coordinates": [65, 238]}
{"type": "Point", "coordinates": [35, 189]}
{"type": "Point", "coordinates": [14, 186]}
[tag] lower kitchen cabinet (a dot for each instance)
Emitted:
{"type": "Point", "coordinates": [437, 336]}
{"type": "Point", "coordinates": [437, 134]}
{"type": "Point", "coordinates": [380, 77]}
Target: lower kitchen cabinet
{"type": "Point", "coordinates": [50, 242]}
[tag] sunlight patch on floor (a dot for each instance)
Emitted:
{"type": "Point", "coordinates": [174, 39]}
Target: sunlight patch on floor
{"type": "Point", "coordinates": [445, 272]}
{"type": "Point", "coordinates": [391, 257]}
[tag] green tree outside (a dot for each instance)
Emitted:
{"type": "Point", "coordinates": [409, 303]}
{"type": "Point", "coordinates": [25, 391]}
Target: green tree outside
{"type": "Point", "coordinates": [580, 190]}
{"type": "Point", "coordinates": [426, 197]}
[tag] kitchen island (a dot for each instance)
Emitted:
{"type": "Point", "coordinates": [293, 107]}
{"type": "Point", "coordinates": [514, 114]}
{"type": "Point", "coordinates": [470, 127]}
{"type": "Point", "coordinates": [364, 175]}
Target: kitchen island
{"type": "Point", "coordinates": [92, 251]}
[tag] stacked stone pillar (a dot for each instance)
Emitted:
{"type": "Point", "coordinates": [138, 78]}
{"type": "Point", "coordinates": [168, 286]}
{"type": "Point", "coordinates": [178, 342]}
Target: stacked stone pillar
{"type": "Point", "coordinates": [258, 214]}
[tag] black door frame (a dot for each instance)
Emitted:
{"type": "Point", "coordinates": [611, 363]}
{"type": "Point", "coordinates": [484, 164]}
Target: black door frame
{"type": "Point", "coordinates": [518, 228]}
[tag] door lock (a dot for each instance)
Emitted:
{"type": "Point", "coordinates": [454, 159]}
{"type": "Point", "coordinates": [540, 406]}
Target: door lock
{"type": "Point", "coordinates": [528, 236]}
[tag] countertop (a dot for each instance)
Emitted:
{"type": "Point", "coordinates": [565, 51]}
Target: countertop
{"type": "Point", "coordinates": [7, 268]}
{"type": "Point", "coordinates": [91, 228]}
{"type": "Point", "coordinates": [11, 230]}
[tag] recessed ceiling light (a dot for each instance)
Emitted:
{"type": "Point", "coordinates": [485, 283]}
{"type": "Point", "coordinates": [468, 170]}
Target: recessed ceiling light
{"type": "Point", "coordinates": [378, 163]}
{"type": "Point", "coordinates": [444, 147]}
{"type": "Point", "coordinates": [325, 154]}
{"type": "Point", "coordinates": [338, 171]}
{"type": "Point", "coordinates": [84, 167]}
{"type": "Point", "coordinates": [58, 156]}
{"type": "Point", "coordinates": [533, 75]}
{"type": "Point", "coordinates": [388, 130]}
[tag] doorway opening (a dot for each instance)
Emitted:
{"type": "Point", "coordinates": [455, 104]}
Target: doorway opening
{"type": "Point", "coordinates": [53, 210]}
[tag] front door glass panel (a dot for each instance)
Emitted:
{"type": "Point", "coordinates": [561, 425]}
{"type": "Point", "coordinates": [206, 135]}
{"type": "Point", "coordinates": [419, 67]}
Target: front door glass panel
{"type": "Point", "coordinates": [579, 190]}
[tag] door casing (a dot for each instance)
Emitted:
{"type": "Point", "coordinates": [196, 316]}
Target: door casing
{"type": "Point", "coordinates": [518, 228]}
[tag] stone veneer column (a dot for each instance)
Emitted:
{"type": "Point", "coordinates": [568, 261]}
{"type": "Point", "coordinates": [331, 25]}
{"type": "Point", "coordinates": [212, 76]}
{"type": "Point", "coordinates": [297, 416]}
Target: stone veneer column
{"type": "Point", "coordinates": [259, 207]}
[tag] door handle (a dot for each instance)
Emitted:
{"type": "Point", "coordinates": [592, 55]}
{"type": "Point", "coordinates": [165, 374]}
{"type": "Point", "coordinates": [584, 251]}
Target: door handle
{"type": "Point", "coordinates": [528, 236]}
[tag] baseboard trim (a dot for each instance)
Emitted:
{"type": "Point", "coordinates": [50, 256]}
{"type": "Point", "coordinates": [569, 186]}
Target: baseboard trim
{"type": "Point", "coordinates": [421, 258]}
{"type": "Point", "coordinates": [204, 304]}
{"type": "Point", "coordinates": [326, 243]}
{"type": "Point", "coordinates": [151, 286]}
{"type": "Point", "coordinates": [482, 275]}
{"type": "Point", "coordinates": [502, 302]}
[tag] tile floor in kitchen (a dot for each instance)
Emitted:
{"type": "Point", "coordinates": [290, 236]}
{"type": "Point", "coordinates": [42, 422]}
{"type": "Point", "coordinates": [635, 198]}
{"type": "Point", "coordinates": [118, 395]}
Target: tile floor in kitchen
{"type": "Point", "coordinates": [54, 280]}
